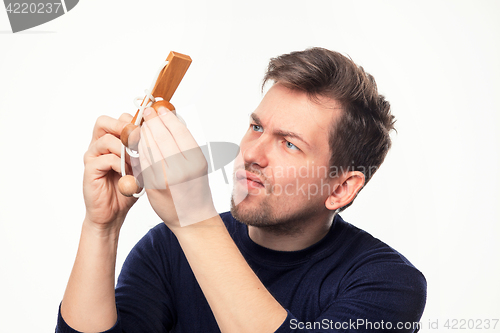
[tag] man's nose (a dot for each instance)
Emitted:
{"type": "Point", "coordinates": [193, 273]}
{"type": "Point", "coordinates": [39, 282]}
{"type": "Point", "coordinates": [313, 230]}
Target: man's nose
{"type": "Point", "coordinates": [256, 152]}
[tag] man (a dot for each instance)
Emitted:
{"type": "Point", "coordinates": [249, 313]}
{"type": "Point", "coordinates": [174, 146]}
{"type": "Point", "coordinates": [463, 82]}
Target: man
{"type": "Point", "coordinates": [283, 260]}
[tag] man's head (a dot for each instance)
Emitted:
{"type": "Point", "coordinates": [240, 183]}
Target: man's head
{"type": "Point", "coordinates": [343, 124]}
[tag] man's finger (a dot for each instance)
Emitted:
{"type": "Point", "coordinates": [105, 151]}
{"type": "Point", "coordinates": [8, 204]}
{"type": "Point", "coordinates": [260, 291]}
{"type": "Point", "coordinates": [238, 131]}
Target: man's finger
{"type": "Point", "coordinates": [107, 144]}
{"type": "Point", "coordinates": [149, 151]}
{"type": "Point", "coordinates": [152, 164]}
{"type": "Point", "coordinates": [149, 113]}
{"type": "Point", "coordinates": [182, 136]}
{"type": "Point", "coordinates": [159, 133]}
{"type": "Point", "coordinates": [101, 165]}
{"type": "Point", "coordinates": [126, 117]}
{"type": "Point", "coordinates": [105, 124]}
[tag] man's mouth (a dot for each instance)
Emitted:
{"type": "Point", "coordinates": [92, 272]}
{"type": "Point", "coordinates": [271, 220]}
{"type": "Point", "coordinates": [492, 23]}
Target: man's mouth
{"type": "Point", "coordinates": [251, 179]}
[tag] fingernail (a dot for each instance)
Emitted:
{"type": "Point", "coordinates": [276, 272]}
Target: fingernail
{"type": "Point", "coordinates": [147, 112]}
{"type": "Point", "coordinates": [162, 110]}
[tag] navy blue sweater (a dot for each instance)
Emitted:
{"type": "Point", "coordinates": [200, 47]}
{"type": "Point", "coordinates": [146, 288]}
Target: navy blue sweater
{"type": "Point", "coordinates": [347, 282]}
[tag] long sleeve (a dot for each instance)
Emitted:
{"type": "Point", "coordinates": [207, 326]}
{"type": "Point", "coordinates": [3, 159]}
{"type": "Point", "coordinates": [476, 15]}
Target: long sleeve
{"type": "Point", "coordinates": [143, 294]}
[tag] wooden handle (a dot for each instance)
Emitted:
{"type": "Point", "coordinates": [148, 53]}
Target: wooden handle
{"type": "Point", "coordinates": [169, 79]}
{"type": "Point", "coordinates": [171, 76]}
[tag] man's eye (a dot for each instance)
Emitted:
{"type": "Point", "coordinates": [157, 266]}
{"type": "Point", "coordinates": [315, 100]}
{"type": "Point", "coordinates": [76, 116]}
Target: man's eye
{"type": "Point", "coordinates": [291, 145]}
{"type": "Point", "coordinates": [257, 128]}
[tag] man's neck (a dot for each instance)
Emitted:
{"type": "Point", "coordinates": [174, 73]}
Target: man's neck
{"type": "Point", "coordinates": [312, 234]}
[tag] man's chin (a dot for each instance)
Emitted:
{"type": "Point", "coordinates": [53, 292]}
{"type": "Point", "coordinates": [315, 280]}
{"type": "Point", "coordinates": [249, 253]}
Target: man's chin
{"type": "Point", "coordinates": [253, 212]}
{"type": "Point", "coordinates": [243, 213]}
{"type": "Point", "coordinates": [236, 208]}
{"type": "Point", "coordinates": [263, 218]}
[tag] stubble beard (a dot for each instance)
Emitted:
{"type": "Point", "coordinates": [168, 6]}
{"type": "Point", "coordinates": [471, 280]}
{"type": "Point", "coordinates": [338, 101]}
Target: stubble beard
{"type": "Point", "coordinates": [274, 217]}
{"type": "Point", "coordinates": [278, 220]}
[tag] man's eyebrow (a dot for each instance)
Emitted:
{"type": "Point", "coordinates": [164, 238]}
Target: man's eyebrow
{"type": "Point", "coordinates": [283, 133]}
{"type": "Point", "coordinates": [288, 134]}
{"type": "Point", "coordinates": [255, 118]}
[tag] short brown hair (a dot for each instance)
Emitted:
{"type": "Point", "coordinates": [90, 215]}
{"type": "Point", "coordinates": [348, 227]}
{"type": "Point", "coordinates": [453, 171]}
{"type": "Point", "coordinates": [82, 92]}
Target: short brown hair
{"type": "Point", "coordinates": [359, 139]}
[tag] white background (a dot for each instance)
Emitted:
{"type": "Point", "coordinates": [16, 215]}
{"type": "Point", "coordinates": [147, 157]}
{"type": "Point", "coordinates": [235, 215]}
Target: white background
{"type": "Point", "coordinates": [435, 199]}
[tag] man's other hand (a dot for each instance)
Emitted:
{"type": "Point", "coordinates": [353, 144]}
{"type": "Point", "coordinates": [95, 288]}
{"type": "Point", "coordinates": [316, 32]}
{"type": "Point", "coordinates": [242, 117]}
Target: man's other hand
{"type": "Point", "coordinates": [106, 207]}
{"type": "Point", "coordinates": [174, 170]}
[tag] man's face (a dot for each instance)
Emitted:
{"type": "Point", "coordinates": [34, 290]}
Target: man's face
{"type": "Point", "coordinates": [281, 176]}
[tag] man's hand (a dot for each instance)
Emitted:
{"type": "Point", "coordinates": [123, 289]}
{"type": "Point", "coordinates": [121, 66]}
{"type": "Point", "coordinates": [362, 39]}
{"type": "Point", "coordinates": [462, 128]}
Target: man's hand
{"type": "Point", "coordinates": [89, 300]}
{"type": "Point", "coordinates": [106, 207]}
{"type": "Point", "coordinates": [175, 173]}
{"type": "Point", "coordinates": [174, 170]}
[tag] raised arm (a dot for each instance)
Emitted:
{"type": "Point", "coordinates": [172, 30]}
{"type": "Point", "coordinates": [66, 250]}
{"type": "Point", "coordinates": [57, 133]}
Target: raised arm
{"type": "Point", "coordinates": [178, 171]}
{"type": "Point", "coordinates": [89, 300]}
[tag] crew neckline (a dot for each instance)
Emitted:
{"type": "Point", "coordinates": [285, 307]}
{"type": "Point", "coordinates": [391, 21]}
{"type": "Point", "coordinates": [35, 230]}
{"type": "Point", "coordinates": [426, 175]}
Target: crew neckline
{"type": "Point", "coordinates": [327, 245]}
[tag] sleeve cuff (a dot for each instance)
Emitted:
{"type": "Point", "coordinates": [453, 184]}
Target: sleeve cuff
{"type": "Point", "coordinates": [62, 327]}
{"type": "Point", "coordinates": [287, 327]}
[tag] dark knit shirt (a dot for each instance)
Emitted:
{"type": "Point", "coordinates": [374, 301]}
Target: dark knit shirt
{"type": "Point", "coordinates": [347, 282]}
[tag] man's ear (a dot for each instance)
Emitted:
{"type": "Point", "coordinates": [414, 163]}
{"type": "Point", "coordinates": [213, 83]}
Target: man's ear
{"type": "Point", "coordinates": [345, 191]}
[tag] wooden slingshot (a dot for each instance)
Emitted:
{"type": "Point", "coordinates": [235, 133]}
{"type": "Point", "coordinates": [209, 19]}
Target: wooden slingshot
{"type": "Point", "coordinates": [168, 80]}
